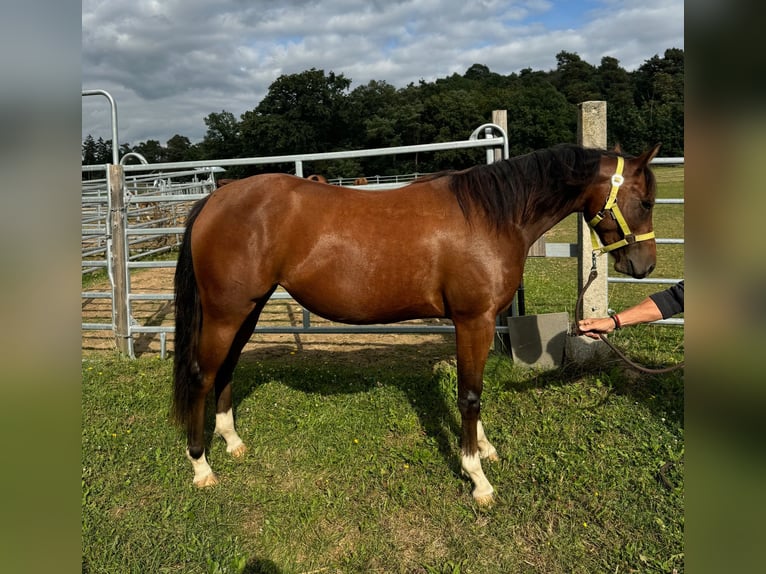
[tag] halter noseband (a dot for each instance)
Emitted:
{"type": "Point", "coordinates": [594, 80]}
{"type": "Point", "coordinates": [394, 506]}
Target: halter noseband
{"type": "Point", "coordinates": [611, 207]}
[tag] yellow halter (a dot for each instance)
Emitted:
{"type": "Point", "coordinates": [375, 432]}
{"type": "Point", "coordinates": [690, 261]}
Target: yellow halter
{"type": "Point", "coordinates": [611, 206]}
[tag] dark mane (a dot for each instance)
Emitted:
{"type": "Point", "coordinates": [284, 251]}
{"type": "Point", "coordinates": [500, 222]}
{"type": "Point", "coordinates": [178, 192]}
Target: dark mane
{"type": "Point", "coordinates": [503, 191]}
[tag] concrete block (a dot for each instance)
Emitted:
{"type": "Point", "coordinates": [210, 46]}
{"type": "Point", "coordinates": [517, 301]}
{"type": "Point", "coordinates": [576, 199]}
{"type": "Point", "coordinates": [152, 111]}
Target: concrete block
{"type": "Point", "coordinates": [539, 340]}
{"type": "Point", "coordinates": [583, 350]}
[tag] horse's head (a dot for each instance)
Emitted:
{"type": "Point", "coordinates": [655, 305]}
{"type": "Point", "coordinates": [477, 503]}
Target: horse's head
{"type": "Point", "coordinates": [620, 211]}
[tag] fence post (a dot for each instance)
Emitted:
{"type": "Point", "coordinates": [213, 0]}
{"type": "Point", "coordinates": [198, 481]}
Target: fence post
{"type": "Point", "coordinates": [118, 258]}
{"type": "Point", "coordinates": [591, 132]}
{"type": "Point", "coordinates": [502, 341]}
{"type": "Point", "coordinates": [500, 118]}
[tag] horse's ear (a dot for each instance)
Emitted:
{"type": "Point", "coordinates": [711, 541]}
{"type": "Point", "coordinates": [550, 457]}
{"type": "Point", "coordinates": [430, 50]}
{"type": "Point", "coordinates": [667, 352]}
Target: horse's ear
{"type": "Point", "coordinates": [617, 148]}
{"type": "Point", "coordinates": [648, 156]}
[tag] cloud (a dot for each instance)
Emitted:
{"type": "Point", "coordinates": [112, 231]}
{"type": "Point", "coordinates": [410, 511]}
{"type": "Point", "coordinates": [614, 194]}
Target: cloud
{"type": "Point", "coordinates": [170, 63]}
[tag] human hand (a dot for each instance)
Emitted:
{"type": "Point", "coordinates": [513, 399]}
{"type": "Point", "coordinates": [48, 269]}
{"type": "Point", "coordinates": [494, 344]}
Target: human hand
{"type": "Point", "coordinates": [595, 326]}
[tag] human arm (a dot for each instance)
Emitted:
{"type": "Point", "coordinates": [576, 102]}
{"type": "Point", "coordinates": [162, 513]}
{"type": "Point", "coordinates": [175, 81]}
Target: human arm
{"type": "Point", "coordinates": [660, 305]}
{"type": "Point", "coordinates": [645, 312]}
{"type": "Point", "coordinates": [670, 301]}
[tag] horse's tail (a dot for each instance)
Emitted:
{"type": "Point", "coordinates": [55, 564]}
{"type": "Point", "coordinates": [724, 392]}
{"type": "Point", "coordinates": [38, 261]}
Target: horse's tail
{"type": "Point", "coordinates": [188, 311]}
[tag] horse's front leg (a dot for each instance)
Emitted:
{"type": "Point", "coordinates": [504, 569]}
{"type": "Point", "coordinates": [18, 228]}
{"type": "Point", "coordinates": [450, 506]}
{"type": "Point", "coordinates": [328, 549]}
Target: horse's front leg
{"type": "Point", "coordinates": [473, 342]}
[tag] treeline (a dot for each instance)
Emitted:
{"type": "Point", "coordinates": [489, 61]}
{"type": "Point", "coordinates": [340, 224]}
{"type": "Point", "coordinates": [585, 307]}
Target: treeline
{"type": "Point", "coordinates": [314, 111]}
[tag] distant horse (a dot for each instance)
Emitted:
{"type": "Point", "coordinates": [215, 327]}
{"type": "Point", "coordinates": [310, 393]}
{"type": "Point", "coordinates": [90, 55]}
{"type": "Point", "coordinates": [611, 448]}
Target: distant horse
{"type": "Point", "coordinates": [317, 177]}
{"type": "Point", "coordinates": [361, 181]}
{"type": "Point", "coordinates": [224, 181]}
{"type": "Point", "coordinates": [449, 245]}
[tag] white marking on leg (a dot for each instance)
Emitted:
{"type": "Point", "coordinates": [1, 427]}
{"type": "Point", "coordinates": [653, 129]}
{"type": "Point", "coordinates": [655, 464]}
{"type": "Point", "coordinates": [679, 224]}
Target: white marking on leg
{"type": "Point", "coordinates": [486, 450]}
{"type": "Point", "coordinates": [203, 474]}
{"type": "Point", "coordinates": [224, 426]}
{"type": "Point", "coordinates": [482, 491]}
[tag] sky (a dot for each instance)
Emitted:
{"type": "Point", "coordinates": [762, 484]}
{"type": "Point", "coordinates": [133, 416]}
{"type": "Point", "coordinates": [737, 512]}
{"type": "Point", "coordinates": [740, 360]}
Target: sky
{"type": "Point", "coordinates": [170, 63]}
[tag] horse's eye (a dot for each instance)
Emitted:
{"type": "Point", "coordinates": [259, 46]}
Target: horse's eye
{"type": "Point", "coordinates": [647, 205]}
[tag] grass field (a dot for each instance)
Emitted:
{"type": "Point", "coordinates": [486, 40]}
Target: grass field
{"type": "Point", "coordinates": [353, 458]}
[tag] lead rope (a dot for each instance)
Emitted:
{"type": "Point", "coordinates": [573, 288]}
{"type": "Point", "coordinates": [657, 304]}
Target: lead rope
{"type": "Point", "coordinates": [633, 364]}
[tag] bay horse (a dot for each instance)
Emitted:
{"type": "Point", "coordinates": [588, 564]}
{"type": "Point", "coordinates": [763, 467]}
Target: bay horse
{"type": "Point", "coordinates": [449, 245]}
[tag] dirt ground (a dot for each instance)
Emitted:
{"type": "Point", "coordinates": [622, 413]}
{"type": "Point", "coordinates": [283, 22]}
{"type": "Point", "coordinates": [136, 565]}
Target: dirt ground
{"type": "Point", "coordinates": [430, 347]}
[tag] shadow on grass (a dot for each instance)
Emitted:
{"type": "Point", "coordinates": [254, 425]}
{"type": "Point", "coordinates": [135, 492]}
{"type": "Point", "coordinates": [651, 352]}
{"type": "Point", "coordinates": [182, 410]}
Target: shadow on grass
{"type": "Point", "coordinates": [260, 566]}
{"type": "Point", "coordinates": [407, 367]}
{"type": "Point", "coordinates": [662, 394]}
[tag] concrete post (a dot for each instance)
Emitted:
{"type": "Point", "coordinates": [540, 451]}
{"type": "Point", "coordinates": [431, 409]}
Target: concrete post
{"type": "Point", "coordinates": [500, 118]}
{"type": "Point", "coordinates": [503, 342]}
{"type": "Point", "coordinates": [591, 132]}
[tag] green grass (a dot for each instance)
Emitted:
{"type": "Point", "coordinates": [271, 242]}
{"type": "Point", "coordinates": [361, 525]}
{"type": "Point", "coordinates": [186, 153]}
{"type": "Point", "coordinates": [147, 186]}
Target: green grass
{"type": "Point", "coordinates": [355, 469]}
{"type": "Point", "coordinates": [353, 461]}
{"type": "Point", "coordinates": [94, 278]}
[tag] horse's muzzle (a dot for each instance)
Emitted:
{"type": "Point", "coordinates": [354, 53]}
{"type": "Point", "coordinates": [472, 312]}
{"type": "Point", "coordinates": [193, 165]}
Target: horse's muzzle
{"type": "Point", "coordinates": [637, 271]}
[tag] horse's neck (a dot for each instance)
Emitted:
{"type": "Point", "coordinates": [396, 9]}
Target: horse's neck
{"type": "Point", "coordinates": [541, 222]}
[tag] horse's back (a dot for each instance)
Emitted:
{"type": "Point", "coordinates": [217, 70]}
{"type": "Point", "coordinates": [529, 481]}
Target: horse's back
{"type": "Point", "coordinates": [277, 203]}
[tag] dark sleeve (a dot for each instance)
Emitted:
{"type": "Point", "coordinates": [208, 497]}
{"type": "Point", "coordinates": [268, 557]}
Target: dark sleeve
{"type": "Point", "coordinates": [670, 301]}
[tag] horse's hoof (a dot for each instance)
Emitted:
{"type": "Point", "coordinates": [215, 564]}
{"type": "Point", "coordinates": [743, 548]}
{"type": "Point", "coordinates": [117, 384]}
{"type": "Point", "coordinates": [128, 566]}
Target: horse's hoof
{"type": "Point", "coordinates": [238, 451]}
{"type": "Point", "coordinates": [206, 481]}
{"type": "Point", "coordinates": [485, 501]}
{"type": "Point", "coordinates": [491, 457]}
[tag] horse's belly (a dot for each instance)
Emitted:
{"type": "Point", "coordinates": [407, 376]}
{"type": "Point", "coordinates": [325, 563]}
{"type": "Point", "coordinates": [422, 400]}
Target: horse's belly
{"type": "Point", "coordinates": [345, 300]}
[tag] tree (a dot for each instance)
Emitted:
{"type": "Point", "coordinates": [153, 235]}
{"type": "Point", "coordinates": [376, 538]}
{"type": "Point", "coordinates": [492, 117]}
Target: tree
{"type": "Point", "coordinates": [178, 148]}
{"type": "Point", "coordinates": [538, 116]}
{"type": "Point", "coordinates": [222, 139]}
{"type": "Point", "coordinates": [624, 122]}
{"type": "Point", "coordinates": [453, 115]}
{"type": "Point", "coordinates": [381, 116]}
{"type": "Point", "coordinates": [103, 151]}
{"type": "Point", "coordinates": [660, 97]}
{"type": "Point", "coordinates": [370, 115]}
{"type": "Point", "coordinates": [575, 78]}
{"type": "Point", "coordinates": [89, 156]}
{"type": "Point", "coordinates": [478, 72]}
{"type": "Point", "coordinates": [301, 113]}
{"type": "Point", "coordinates": [484, 78]}
{"type": "Point", "coordinates": [614, 82]}
{"type": "Point", "coordinates": [274, 134]}
{"type": "Point", "coordinates": [152, 151]}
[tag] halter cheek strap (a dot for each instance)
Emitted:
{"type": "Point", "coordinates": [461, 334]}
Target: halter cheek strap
{"type": "Point", "coordinates": [611, 207]}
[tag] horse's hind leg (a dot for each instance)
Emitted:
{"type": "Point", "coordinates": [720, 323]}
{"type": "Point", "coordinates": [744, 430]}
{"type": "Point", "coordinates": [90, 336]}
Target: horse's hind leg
{"type": "Point", "coordinates": [224, 412]}
{"type": "Point", "coordinates": [224, 423]}
{"type": "Point", "coordinates": [486, 450]}
{"type": "Point", "coordinates": [216, 338]}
